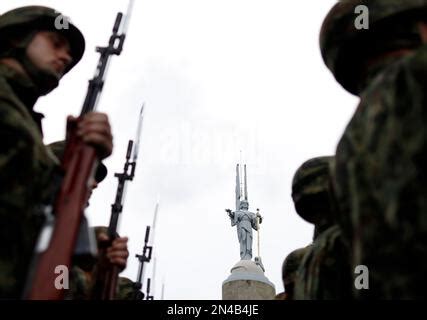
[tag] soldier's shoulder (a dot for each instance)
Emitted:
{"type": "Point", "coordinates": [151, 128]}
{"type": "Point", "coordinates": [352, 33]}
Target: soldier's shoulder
{"type": "Point", "coordinates": [10, 105]}
{"type": "Point", "coordinates": [407, 72]}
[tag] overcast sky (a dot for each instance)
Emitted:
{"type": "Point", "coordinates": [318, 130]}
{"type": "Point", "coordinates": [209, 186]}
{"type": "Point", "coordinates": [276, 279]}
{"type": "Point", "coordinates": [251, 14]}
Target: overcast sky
{"type": "Point", "coordinates": [217, 76]}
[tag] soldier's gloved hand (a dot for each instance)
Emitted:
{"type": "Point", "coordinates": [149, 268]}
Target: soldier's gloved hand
{"type": "Point", "coordinates": [118, 252]}
{"type": "Point", "coordinates": [94, 129]}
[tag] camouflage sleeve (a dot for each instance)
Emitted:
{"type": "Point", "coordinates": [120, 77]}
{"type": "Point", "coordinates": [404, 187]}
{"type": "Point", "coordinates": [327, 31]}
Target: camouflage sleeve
{"type": "Point", "coordinates": [323, 273]}
{"type": "Point", "coordinates": [16, 197]}
{"type": "Point", "coordinates": [80, 285]}
{"type": "Point", "coordinates": [126, 290]}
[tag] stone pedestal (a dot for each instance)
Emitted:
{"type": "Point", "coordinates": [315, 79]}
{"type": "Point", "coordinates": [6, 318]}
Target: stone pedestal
{"type": "Point", "coordinates": [247, 282]}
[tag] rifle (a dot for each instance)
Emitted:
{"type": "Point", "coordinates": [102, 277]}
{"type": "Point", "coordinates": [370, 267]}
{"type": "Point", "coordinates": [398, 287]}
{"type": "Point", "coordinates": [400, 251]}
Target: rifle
{"type": "Point", "coordinates": [149, 297]}
{"type": "Point", "coordinates": [107, 275]}
{"type": "Point", "coordinates": [143, 258]}
{"type": "Point", "coordinates": [58, 237]}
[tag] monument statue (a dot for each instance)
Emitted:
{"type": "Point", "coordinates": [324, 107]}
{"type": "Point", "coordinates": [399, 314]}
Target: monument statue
{"type": "Point", "coordinates": [243, 219]}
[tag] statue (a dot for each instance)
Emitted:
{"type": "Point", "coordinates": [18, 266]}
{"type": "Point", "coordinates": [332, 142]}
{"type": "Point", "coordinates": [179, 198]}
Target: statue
{"type": "Point", "coordinates": [243, 219]}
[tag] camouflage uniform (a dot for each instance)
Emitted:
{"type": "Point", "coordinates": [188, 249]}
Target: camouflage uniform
{"type": "Point", "coordinates": [25, 163]}
{"type": "Point", "coordinates": [324, 270]}
{"type": "Point", "coordinates": [25, 166]}
{"type": "Point", "coordinates": [126, 290]}
{"type": "Point", "coordinates": [380, 175]}
{"type": "Point", "coordinates": [289, 272]}
{"type": "Point", "coordinates": [80, 284]}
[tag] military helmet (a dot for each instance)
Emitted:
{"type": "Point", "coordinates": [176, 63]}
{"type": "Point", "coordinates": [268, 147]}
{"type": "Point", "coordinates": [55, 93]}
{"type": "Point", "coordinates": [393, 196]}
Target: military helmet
{"type": "Point", "coordinates": [311, 189]}
{"type": "Point", "coordinates": [341, 41]}
{"type": "Point", "coordinates": [39, 18]}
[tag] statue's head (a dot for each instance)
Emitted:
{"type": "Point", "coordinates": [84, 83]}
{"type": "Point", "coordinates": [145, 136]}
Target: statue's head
{"type": "Point", "coordinates": [244, 205]}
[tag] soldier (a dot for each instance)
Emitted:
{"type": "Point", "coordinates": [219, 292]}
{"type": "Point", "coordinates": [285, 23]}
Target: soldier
{"type": "Point", "coordinates": [324, 271]}
{"type": "Point", "coordinates": [380, 172]}
{"type": "Point", "coordinates": [34, 56]}
{"type": "Point", "coordinates": [84, 274]}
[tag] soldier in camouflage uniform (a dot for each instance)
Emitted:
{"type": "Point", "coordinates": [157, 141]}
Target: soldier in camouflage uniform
{"type": "Point", "coordinates": [34, 56]}
{"type": "Point", "coordinates": [82, 274]}
{"type": "Point", "coordinates": [324, 271]}
{"type": "Point", "coordinates": [82, 269]}
{"type": "Point", "coordinates": [82, 278]}
{"type": "Point", "coordinates": [380, 172]}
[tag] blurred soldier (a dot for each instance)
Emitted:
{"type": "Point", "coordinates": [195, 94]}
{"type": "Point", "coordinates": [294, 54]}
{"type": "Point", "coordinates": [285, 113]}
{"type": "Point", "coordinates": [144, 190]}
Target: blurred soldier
{"type": "Point", "coordinates": [324, 271]}
{"type": "Point", "coordinates": [380, 172]}
{"type": "Point", "coordinates": [34, 56]}
{"type": "Point", "coordinates": [84, 263]}
{"type": "Point", "coordinates": [84, 273]}
{"type": "Point", "coordinates": [289, 273]}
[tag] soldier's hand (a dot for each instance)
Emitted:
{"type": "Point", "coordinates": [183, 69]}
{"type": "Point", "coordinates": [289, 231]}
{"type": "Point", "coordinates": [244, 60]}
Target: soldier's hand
{"type": "Point", "coordinates": [94, 129]}
{"type": "Point", "coordinates": [117, 253]}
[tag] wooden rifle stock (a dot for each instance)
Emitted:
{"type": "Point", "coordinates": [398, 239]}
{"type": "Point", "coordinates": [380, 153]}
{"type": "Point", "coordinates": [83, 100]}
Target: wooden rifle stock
{"type": "Point", "coordinates": [79, 161]}
{"type": "Point", "coordinates": [106, 278]}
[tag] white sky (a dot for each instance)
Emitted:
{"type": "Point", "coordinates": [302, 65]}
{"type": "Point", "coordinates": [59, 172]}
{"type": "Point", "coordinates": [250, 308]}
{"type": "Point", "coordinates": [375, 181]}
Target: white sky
{"type": "Point", "coordinates": [217, 76]}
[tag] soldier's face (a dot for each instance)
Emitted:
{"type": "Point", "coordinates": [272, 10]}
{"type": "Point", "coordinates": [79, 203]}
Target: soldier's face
{"type": "Point", "coordinates": [50, 51]}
